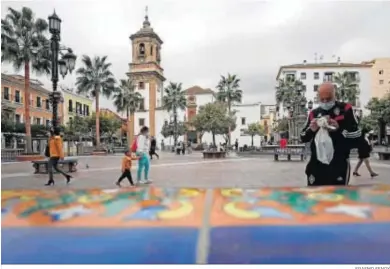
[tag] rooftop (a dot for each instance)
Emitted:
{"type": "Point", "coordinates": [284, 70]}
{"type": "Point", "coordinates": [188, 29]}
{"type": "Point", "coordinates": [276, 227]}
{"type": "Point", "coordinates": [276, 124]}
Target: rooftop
{"type": "Point", "coordinates": [19, 79]}
{"type": "Point", "coordinates": [306, 65]}
{"type": "Point", "coordinates": [196, 90]}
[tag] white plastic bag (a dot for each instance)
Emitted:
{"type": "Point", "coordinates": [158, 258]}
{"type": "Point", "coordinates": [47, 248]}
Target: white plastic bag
{"type": "Point", "coordinates": [324, 144]}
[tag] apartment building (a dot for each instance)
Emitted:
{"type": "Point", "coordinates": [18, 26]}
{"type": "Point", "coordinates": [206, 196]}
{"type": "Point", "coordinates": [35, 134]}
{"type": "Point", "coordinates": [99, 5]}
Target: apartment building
{"type": "Point", "coordinates": [380, 77]}
{"type": "Point", "coordinates": [13, 100]}
{"type": "Point", "coordinates": [312, 75]}
{"type": "Point", "coordinates": [75, 105]}
{"type": "Point", "coordinates": [267, 120]}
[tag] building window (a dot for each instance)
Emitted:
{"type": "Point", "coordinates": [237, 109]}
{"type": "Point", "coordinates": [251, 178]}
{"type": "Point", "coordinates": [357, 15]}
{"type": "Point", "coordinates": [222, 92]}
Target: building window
{"type": "Point", "coordinates": [142, 49]}
{"type": "Point", "coordinates": [141, 122]}
{"type": "Point", "coordinates": [141, 85]}
{"type": "Point", "coordinates": [17, 118]}
{"type": "Point", "coordinates": [47, 104]}
{"type": "Point", "coordinates": [39, 101]}
{"type": "Point", "coordinates": [17, 96]}
{"type": "Point", "coordinates": [47, 123]}
{"type": "Point", "coordinates": [79, 108]}
{"type": "Point", "coordinates": [315, 88]}
{"type": "Point", "coordinates": [303, 88]}
{"type": "Point", "coordinates": [381, 81]}
{"type": "Point", "coordinates": [142, 104]}
{"type": "Point", "coordinates": [6, 93]}
{"type": "Point", "coordinates": [290, 77]}
{"type": "Point", "coordinates": [243, 121]}
{"type": "Point", "coordinates": [316, 75]}
{"type": "Point", "coordinates": [87, 111]}
{"type": "Point", "coordinates": [303, 75]}
{"type": "Point", "coordinates": [151, 50]}
{"type": "Point", "coordinates": [328, 77]}
{"type": "Point", "coordinates": [38, 121]}
{"type": "Point", "coordinates": [381, 72]}
{"type": "Point", "coordinates": [70, 106]}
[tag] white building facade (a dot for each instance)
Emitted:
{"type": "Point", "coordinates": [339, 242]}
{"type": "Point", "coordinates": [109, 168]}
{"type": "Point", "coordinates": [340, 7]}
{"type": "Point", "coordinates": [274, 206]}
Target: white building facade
{"type": "Point", "coordinates": [312, 75]}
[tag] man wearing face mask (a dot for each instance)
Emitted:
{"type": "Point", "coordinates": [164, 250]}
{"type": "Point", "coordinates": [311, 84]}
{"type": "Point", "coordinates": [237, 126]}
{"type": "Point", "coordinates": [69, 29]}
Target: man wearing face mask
{"type": "Point", "coordinates": [343, 131]}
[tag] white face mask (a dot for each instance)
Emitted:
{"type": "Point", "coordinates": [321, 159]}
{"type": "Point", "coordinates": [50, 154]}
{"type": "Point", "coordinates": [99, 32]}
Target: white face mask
{"type": "Point", "coordinates": [327, 106]}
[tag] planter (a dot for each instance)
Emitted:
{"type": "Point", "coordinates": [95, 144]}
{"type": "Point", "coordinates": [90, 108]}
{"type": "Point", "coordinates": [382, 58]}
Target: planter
{"type": "Point", "coordinates": [29, 158]}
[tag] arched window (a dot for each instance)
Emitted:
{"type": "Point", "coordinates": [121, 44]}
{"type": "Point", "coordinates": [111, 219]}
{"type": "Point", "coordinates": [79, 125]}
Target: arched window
{"type": "Point", "coordinates": [142, 49]}
{"type": "Point", "coordinates": [70, 106]}
{"type": "Point", "coordinates": [151, 50]}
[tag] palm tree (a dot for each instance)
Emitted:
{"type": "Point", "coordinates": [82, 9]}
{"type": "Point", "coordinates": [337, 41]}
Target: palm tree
{"type": "Point", "coordinates": [347, 87]}
{"type": "Point", "coordinates": [126, 99]}
{"type": "Point", "coordinates": [95, 78]}
{"type": "Point", "coordinates": [286, 89]}
{"type": "Point", "coordinates": [24, 44]}
{"type": "Point", "coordinates": [229, 92]}
{"type": "Point", "coordinates": [174, 98]}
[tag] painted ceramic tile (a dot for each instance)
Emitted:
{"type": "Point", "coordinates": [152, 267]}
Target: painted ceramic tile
{"type": "Point", "coordinates": [134, 207]}
{"type": "Point", "coordinates": [301, 206]}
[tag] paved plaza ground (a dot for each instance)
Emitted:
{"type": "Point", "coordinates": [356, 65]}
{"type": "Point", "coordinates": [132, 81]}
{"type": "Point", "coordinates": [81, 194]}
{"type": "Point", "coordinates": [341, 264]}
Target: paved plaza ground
{"type": "Point", "coordinates": [184, 171]}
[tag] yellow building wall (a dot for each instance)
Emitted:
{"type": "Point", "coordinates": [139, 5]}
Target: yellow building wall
{"type": "Point", "coordinates": [80, 99]}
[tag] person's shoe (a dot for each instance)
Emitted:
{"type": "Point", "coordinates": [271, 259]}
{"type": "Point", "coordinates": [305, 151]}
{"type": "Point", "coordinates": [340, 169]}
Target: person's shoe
{"type": "Point", "coordinates": [148, 181]}
{"type": "Point", "coordinates": [356, 174]}
{"type": "Point", "coordinates": [49, 183]}
{"type": "Point", "coordinates": [374, 174]}
{"type": "Point", "coordinates": [118, 184]}
{"type": "Point", "coordinates": [68, 177]}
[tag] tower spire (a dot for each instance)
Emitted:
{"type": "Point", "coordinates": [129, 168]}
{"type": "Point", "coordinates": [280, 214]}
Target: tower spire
{"type": "Point", "coordinates": [146, 21]}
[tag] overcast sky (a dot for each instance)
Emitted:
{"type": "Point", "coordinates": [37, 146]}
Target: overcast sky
{"type": "Point", "coordinates": [204, 39]}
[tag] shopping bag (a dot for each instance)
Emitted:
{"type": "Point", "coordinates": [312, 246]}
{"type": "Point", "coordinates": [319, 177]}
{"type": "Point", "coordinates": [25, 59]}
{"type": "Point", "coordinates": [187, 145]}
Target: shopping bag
{"type": "Point", "coordinates": [323, 142]}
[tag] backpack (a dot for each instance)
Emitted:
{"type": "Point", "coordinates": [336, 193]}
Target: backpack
{"type": "Point", "coordinates": [134, 145]}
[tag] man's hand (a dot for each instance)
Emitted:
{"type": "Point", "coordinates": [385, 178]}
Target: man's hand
{"type": "Point", "coordinates": [333, 123]}
{"type": "Point", "coordinates": [313, 125]}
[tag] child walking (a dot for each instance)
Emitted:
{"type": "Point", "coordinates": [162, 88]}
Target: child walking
{"type": "Point", "coordinates": [126, 167]}
{"type": "Point", "coordinates": [142, 153]}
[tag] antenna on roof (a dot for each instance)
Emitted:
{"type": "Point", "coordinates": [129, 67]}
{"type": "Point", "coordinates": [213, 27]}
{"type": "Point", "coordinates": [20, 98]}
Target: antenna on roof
{"type": "Point", "coordinates": [321, 58]}
{"type": "Point", "coordinates": [315, 57]}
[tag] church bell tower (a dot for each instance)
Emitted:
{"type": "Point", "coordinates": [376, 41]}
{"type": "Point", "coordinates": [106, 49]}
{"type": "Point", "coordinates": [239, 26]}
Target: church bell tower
{"type": "Point", "coordinates": [146, 71]}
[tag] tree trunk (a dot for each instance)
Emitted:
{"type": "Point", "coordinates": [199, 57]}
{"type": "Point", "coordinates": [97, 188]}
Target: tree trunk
{"type": "Point", "coordinates": [175, 127]}
{"type": "Point", "coordinates": [128, 129]}
{"type": "Point", "coordinates": [213, 139]}
{"type": "Point", "coordinates": [131, 127]}
{"type": "Point", "coordinates": [229, 131]}
{"type": "Point", "coordinates": [97, 119]}
{"type": "Point", "coordinates": [27, 106]}
{"type": "Point", "coordinates": [252, 140]}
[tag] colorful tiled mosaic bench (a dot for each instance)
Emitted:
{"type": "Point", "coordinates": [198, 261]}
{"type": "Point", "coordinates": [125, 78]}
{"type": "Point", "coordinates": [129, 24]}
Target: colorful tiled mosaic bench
{"type": "Point", "coordinates": [157, 225]}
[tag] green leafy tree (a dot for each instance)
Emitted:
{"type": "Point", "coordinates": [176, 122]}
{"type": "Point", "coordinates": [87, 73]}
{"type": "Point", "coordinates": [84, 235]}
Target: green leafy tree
{"type": "Point", "coordinates": [96, 78]}
{"type": "Point", "coordinates": [229, 92]}
{"type": "Point", "coordinates": [24, 45]}
{"type": "Point", "coordinates": [380, 108]}
{"type": "Point", "coordinates": [347, 87]}
{"type": "Point", "coordinates": [174, 99]}
{"type": "Point", "coordinates": [76, 128]}
{"type": "Point", "coordinates": [213, 118]}
{"type": "Point", "coordinates": [255, 129]}
{"type": "Point", "coordinates": [108, 126]}
{"type": "Point", "coordinates": [168, 129]}
{"type": "Point", "coordinates": [127, 99]}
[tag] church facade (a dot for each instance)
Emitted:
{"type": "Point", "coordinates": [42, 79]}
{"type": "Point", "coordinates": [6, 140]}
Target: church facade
{"type": "Point", "coordinates": [146, 70]}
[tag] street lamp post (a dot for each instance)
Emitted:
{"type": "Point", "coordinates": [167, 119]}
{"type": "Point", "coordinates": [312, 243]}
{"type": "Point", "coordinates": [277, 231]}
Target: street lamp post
{"type": "Point", "coordinates": [67, 62]}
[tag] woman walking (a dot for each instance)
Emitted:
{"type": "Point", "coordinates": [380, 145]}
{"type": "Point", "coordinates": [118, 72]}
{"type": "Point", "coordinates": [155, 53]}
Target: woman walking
{"type": "Point", "coordinates": [153, 146]}
{"type": "Point", "coordinates": [142, 152]}
{"type": "Point", "coordinates": [364, 149]}
{"type": "Point", "coordinates": [55, 152]}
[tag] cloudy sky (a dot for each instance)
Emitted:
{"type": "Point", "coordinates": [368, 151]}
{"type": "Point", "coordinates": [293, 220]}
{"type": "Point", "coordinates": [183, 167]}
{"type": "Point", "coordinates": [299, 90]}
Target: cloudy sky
{"type": "Point", "coordinates": [206, 38]}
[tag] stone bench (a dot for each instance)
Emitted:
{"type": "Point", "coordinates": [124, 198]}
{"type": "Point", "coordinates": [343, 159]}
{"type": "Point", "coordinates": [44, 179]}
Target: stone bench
{"type": "Point", "coordinates": [41, 166]}
{"type": "Point", "coordinates": [289, 152]}
{"type": "Point", "coordinates": [384, 155]}
{"type": "Point", "coordinates": [214, 154]}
